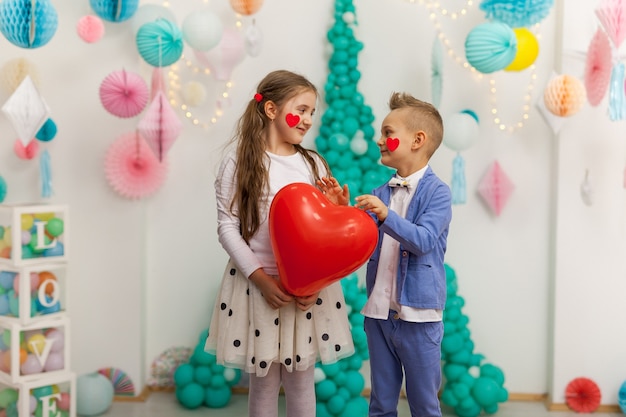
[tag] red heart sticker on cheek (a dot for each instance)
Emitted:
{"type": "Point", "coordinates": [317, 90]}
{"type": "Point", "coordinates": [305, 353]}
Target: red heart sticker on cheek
{"type": "Point", "coordinates": [292, 119]}
{"type": "Point", "coordinates": [392, 144]}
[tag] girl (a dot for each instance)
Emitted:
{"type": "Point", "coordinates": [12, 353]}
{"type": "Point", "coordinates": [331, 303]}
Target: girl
{"type": "Point", "coordinates": [256, 325]}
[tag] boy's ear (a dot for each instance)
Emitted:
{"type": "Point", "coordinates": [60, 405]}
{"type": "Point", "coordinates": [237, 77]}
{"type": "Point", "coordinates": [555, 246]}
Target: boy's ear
{"type": "Point", "coordinates": [270, 109]}
{"type": "Point", "coordinates": [419, 139]}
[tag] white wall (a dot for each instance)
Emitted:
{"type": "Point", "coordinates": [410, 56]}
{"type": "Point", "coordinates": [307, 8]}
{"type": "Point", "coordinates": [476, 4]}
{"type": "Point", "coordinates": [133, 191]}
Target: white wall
{"type": "Point", "coordinates": [144, 273]}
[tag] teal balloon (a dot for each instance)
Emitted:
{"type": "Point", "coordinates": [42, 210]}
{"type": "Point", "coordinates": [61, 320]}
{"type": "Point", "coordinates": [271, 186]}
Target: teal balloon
{"type": "Point", "coordinates": [217, 397]}
{"type": "Point", "coordinates": [336, 404]}
{"type": "Point", "coordinates": [448, 397]}
{"type": "Point", "coordinates": [485, 391]}
{"type": "Point", "coordinates": [217, 381]}
{"type": "Point", "coordinates": [200, 357]}
{"type": "Point", "coordinates": [492, 372]}
{"type": "Point", "coordinates": [354, 383]}
{"type": "Point", "coordinates": [160, 43]}
{"type": "Point", "coordinates": [461, 391]}
{"type": "Point", "coordinates": [452, 343]}
{"type": "Point", "coordinates": [3, 194]}
{"type": "Point", "coordinates": [491, 46]}
{"type": "Point", "coordinates": [94, 394]}
{"type": "Point", "coordinates": [453, 371]}
{"type": "Point", "coordinates": [202, 375]}
{"type": "Point", "coordinates": [355, 407]}
{"type": "Point", "coordinates": [191, 395]}
{"type": "Point", "coordinates": [184, 375]}
{"type": "Point", "coordinates": [325, 389]}
{"type": "Point", "coordinates": [339, 142]}
{"type": "Point", "coordinates": [321, 410]}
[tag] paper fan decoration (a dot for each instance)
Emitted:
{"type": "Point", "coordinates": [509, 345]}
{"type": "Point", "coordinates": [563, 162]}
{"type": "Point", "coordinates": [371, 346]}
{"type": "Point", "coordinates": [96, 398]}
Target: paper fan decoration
{"type": "Point", "coordinates": [122, 384]}
{"type": "Point", "coordinates": [27, 23]}
{"type": "Point", "coordinates": [582, 395]}
{"type": "Point", "coordinates": [90, 28]}
{"type": "Point", "coordinates": [495, 188]}
{"type": "Point", "coordinates": [436, 72]}
{"type": "Point", "coordinates": [612, 17]}
{"type": "Point", "coordinates": [163, 367]}
{"type": "Point", "coordinates": [27, 110]}
{"type": "Point", "coordinates": [517, 13]}
{"type": "Point", "coordinates": [490, 47]}
{"type": "Point", "coordinates": [14, 72]}
{"type": "Point", "coordinates": [160, 126]}
{"type": "Point", "coordinates": [131, 168]}
{"type": "Point", "coordinates": [564, 95]}
{"type": "Point", "coordinates": [124, 94]}
{"type": "Point", "coordinates": [598, 67]}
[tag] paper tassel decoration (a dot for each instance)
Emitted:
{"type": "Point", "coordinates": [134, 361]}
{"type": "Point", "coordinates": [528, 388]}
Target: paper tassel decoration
{"type": "Point", "coordinates": [436, 72]}
{"type": "Point", "coordinates": [26, 110]}
{"type": "Point", "coordinates": [46, 174]}
{"type": "Point", "coordinates": [612, 17]}
{"type": "Point", "coordinates": [490, 46]}
{"type": "Point", "coordinates": [598, 67]}
{"type": "Point", "coordinates": [14, 72]}
{"type": "Point", "coordinates": [157, 83]}
{"type": "Point", "coordinates": [517, 13]}
{"type": "Point", "coordinates": [617, 99]}
{"type": "Point", "coordinates": [458, 186]}
{"type": "Point", "coordinates": [28, 23]}
{"type": "Point", "coordinates": [131, 168]}
{"type": "Point", "coordinates": [246, 7]}
{"type": "Point", "coordinates": [160, 43]}
{"type": "Point", "coordinates": [124, 94]}
{"type": "Point", "coordinates": [90, 28]}
{"type": "Point", "coordinates": [160, 126]}
{"type": "Point", "coordinates": [223, 58]}
{"type": "Point", "coordinates": [495, 188]}
{"type": "Point", "coordinates": [564, 95]}
{"type": "Point", "coordinates": [583, 395]}
{"type": "Point", "coordinates": [586, 190]}
{"type": "Point", "coordinates": [3, 189]}
{"type": "Point", "coordinates": [26, 152]}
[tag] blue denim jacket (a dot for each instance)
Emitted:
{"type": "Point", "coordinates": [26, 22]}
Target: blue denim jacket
{"type": "Point", "coordinates": [423, 241]}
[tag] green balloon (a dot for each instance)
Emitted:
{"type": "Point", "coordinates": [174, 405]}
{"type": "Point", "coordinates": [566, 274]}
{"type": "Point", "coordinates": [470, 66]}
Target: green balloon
{"type": "Point", "coordinates": [55, 227]}
{"type": "Point", "coordinates": [8, 396]}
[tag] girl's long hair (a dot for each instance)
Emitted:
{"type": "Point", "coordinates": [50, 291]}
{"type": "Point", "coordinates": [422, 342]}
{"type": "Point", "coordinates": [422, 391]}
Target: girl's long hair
{"type": "Point", "coordinates": [251, 171]}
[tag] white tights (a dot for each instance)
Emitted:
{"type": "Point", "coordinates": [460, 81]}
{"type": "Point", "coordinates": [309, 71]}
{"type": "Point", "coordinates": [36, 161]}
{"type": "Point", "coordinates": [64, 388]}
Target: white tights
{"type": "Point", "coordinates": [299, 389]}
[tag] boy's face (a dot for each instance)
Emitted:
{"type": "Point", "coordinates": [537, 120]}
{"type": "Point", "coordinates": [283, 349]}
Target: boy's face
{"type": "Point", "coordinates": [397, 142]}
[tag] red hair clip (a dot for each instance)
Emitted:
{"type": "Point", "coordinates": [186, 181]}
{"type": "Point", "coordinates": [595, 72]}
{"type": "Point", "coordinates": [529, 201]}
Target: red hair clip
{"type": "Point", "coordinates": [258, 97]}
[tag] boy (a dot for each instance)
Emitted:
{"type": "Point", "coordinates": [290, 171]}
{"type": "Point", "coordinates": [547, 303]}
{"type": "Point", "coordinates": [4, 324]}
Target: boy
{"type": "Point", "coordinates": [406, 281]}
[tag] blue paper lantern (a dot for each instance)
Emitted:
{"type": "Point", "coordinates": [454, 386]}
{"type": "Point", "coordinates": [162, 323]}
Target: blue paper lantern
{"type": "Point", "coordinates": [517, 13]}
{"type": "Point", "coordinates": [114, 10]}
{"type": "Point", "coordinates": [25, 28]}
{"type": "Point", "coordinates": [491, 46]}
{"type": "Point", "coordinates": [160, 43]}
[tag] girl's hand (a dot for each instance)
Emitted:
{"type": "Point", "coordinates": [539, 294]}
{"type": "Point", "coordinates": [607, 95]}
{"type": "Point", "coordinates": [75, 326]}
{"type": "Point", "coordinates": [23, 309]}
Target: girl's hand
{"type": "Point", "coordinates": [374, 204]}
{"type": "Point", "coordinates": [271, 289]}
{"type": "Point", "coordinates": [304, 303]}
{"type": "Point", "coordinates": [333, 191]}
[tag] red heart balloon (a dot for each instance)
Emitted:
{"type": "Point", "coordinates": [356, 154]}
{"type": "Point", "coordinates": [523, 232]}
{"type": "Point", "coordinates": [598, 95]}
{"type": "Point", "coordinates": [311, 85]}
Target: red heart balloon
{"type": "Point", "coordinates": [292, 119]}
{"type": "Point", "coordinates": [315, 241]}
{"type": "Point", "coordinates": [392, 144]}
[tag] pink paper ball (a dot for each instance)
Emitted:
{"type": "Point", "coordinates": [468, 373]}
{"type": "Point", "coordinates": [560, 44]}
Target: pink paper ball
{"type": "Point", "coordinates": [90, 28]}
{"type": "Point", "coordinates": [26, 152]}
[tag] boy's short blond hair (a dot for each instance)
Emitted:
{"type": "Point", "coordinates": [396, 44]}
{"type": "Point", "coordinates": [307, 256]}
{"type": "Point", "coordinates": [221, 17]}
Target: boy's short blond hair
{"type": "Point", "coordinates": [423, 116]}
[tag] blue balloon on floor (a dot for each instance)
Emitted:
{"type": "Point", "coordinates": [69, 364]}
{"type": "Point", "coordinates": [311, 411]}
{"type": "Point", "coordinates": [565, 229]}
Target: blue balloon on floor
{"type": "Point", "coordinates": [94, 394]}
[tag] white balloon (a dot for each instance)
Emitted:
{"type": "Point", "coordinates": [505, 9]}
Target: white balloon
{"type": "Point", "coordinates": [149, 13]}
{"type": "Point", "coordinates": [460, 131]}
{"type": "Point", "coordinates": [202, 30]}
{"type": "Point", "coordinates": [358, 144]}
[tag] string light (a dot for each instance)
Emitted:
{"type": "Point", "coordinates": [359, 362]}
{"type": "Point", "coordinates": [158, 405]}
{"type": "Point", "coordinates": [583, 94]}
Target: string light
{"type": "Point", "coordinates": [435, 11]}
{"type": "Point", "coordinates": [175, 95]}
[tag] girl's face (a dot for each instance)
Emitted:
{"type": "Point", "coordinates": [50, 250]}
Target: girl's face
{"type": "Point", "coordinates": [295, 118]}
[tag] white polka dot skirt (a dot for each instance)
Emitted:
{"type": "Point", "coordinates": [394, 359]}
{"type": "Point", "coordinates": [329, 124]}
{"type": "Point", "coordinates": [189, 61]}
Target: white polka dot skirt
{"type": "Point", "coordinates": [248, 334]}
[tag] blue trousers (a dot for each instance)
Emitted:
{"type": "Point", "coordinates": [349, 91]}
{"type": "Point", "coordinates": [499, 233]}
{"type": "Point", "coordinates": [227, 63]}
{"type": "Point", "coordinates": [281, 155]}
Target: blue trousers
{"type": "Point", "coordinates": [399, 349]}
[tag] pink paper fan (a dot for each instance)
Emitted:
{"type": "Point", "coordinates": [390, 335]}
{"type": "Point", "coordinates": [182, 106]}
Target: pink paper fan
{"type": "Point", "coordinates": [132, 169]}
{"type": "Point", "coordinates": [90, 28]}
{"type": "Point", "coordinates": [160, 126]}
{"type": "Point", "coordinates": [598, 67]}
{"type": "Point", "coordinates": [612, 16]}
{"type": "Point", "coordinates": [124, 94]}
{"type": "Point", "coordinates": [495, 188]}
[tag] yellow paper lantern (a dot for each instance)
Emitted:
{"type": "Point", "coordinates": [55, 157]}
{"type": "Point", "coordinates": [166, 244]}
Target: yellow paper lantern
{"type": "Point", "coordinates": [564, 95]}
{"type": "Point", "coordinates": [246, 7]}
{"type": "Point", "coordinates": [527, 50]}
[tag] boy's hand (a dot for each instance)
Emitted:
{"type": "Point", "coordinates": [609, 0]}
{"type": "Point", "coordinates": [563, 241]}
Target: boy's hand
{"type": "Point", "coordinates": [374, 204]}
{"type": "Point", "coordinates": [333, 191]}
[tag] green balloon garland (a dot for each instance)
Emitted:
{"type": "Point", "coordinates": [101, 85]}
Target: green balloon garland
{"type": "Point", "coordinates": [346, 135]}
{"type": "Point", "coordinates": [470, 386]}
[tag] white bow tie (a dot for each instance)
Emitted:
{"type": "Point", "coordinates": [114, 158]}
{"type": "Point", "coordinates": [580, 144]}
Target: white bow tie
{"type": "Point", "coordinates": [397, 182]}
